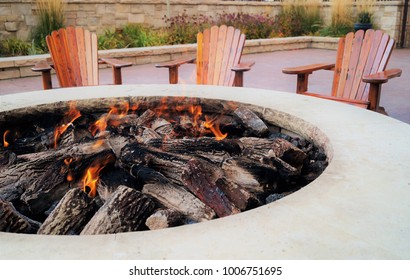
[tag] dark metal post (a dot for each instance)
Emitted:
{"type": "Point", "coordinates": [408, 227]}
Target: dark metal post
{"type": "Point", "coordinates": [404, 23]}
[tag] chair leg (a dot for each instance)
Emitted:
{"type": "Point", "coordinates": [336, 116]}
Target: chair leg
{"type": "Point", "coordinates": [117, 75]}
{"type": "Point", "coordinates": [238, 81]}
{"type": "Point", "coordinates": [374, 97]}
{"type": "Point", "coordinates": [173, 75]}
{"type": "Point", "coordinates": [46, 76]}
{"type": "Point", "coordinates": [302, 83]}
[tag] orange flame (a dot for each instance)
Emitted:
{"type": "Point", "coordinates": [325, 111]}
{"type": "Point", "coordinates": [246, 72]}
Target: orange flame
{"type": "Point", "coordinates": [214, 127]}
{"type": "Point", "coordinates": [196, 111]}
{"type": "Point", "coordinates": [67, 162]}
{"type": "Point", "coordinates": [68, 119]}
{"type": "Point", "coordinates": [113, 117]}
{"type": "Point", "coordinates": [5, 143]}
{"type": "Point", "coordinates": [91, 176]}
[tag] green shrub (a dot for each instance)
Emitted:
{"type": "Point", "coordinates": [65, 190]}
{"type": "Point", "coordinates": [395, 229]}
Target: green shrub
{"type": "Point", "coordinates": [17, 47]}
{"type": "Point", "coordinates": [138, 35]}
{"type": "Point", "coordinates": [50, 18]}
{"type": "Point", "coordinates": [299, 17]}
{"type": "Point", "coordinates": [111, 39]}
{"type": "Point", "coordinates": [341, 21]}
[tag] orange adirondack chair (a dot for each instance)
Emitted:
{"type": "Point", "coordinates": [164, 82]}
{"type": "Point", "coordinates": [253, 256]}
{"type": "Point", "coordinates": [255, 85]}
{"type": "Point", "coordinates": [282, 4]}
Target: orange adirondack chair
{"type": "Point", "coordinates": [74, 55]}
{"type": "Point", "coordinates": [359, 72]}
{"type": "Point", "coordinates": [219, 51]}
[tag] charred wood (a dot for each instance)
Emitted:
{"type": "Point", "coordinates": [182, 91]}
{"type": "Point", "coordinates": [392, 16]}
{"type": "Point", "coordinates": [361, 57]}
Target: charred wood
{"type": "Point", "coordinates": [254, 125]}
{"type": "Point", "coordinates": [70, 216]}
{"type": "Point", "coordinates": [178, 198]}
{"type": "Point", "coordinates": [196, 179]}
{"type": "Point", "coordinates": [12, 221]}
{"type": "Point", "coordinates": [164, 218]}
{"type": "Point", "coordinates": [125, 211]}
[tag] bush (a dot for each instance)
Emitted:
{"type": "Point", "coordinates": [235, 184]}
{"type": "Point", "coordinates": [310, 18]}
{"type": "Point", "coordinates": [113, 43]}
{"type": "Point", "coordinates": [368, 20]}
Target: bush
{"type": "Point", "coordinates": [299, 17]}
{"type": "Point", "coordinates": [138, 35]}
{"type": "Point", "coordinates": [17, 47]}
{"type": "Point", "coordinates": [254, 26]}
{"type": "Point", "coordinates": [341, 22]}
{"type": "Point", "coordinates": [50, 18]}
{"type": "Point", "coordinates": [111, 39]}
{"type": "Point", "coordinates": [182, 29]}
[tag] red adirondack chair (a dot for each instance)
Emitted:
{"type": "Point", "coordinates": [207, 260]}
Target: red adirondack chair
{"type": "Point", "coordinates": [359, 72]}
{"type": "Point", "coordinates": [219, 51]}
{"type": "Point", "coordinates": [74, 55]}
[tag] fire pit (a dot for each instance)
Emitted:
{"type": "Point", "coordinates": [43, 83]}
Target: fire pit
{"type": "Point", "coordinates": [328, 211]}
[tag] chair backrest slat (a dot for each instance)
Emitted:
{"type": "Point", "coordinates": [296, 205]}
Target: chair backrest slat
{"type": "Point", "coordinates": [345, 64]}
{"type": "Point", "coordinates": [74, 52]}
{"type": "Point", "coordinates": [219, 49]}
{"type": "Point", "coordinates": [227, 51]}
{"type": "Point", "coordinates": [360, 54]}
{"type": "Point", "coordinates": [353, 62]}
{"type": "Point", "coordinates": [362, 60]}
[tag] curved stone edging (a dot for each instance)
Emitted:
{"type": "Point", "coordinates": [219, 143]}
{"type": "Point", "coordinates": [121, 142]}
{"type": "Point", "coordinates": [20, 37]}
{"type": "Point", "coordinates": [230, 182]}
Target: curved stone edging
{"type": "Point", "coordinates": [357, 209]}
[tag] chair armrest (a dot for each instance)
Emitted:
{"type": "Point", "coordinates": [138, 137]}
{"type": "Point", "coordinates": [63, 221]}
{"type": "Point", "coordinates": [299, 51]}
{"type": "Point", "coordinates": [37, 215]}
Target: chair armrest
{"type": "Point", "coordinates": [308, 68]}
{"type": "Point", "coordinates": [41, 66]}
{"type": "Point", "coordinates": [242, 67]}
{"type": "Point", "coordinates": [115, 62]}
{"type": "Point", "coordinates": [175, 63]}
{"type": "Point", "coordinates": [382, 77]}
{"type": "Point", "coordinates": [360, 103]}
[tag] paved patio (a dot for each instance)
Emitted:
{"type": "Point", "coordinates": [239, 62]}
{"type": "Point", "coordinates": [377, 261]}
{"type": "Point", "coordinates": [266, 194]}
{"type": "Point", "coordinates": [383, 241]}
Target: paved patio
{"type": "Point", "coordinates": [266, 74]}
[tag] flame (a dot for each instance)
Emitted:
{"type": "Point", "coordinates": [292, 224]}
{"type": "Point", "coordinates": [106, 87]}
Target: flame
{"type": "Point", "coordinates": [5, 143]}
{"type": "Point", "coordinates": [196, 111]}
{"type": "Point", "coordinates": [214, 127]}
{"type": "Point", "coordinates": [68, 119]}
{"type": "Point", "coordinates": [67, 162]}
{"type": "Point", "coordinates": [92, 174]}
{"type": "Point", "coordinates": [113, 117]}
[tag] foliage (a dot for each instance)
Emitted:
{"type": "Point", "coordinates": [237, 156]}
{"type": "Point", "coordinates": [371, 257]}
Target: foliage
{"type": "Point", "coordinates": [138, 35]}
{"type": "Point", "coordinates": [50, 18]}
{"type": "Point", "coordinates": [254, 26]}
{"type": "Point", "coordinates": [17, 47]}
{"type": "Point", "coordinates": [111, 39]}
{"type": "Point", "coordinates": [364, 17]}
{"type": "Point", "coordinates": [183, 28]}
{"type": "Point", "coordinates": [299, 17]}
{"type": "Point", "coordinates": [341, 20]}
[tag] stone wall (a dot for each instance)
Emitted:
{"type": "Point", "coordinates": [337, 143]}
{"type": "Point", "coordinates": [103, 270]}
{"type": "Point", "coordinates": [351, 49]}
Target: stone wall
{"type": "Point", "coordinates": [18, 17]}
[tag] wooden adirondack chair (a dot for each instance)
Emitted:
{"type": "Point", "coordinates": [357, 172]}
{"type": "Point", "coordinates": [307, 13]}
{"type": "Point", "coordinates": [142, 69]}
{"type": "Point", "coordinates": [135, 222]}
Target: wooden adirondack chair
{"type": "Point", "coordinates": [219, 51]}
{"type": "Point", "coordinates": [359, 71]}
{"type": "Point", "coordinates": [74, 55]}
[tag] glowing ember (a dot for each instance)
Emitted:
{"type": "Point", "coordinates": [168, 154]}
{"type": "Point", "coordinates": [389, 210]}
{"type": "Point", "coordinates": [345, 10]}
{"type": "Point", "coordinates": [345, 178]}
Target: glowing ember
{"type": "Point", "coordinates": [67, 162]}
{"type": "Point", "coordinates": [68, 119]}
{"type": "Point", "coordinates": [5, 143]}
{"type": "Point", "coordinates": [213, 125]}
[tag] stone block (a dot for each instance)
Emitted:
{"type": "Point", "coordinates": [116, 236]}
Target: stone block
{"type": "Point", "coordinates": [11, 26]}
{"type": "Point", "coordinates": [5, 10]}
{"type": "Point", "coordinates": [202, 8]}
{"type": "Point", "coordinates": [21, 9]}
{"type": "Point", "coordinates": [6, 62]}
{"type": "Point", "coordinates": [123, 8]}
{"type": "Point", "coordinates": [27, 72]}
{"type": "Point", "coordinates": [10, 73]}
{"type": "Point", "coordinates": [136, 18]}
{"type": "Point", "coordinates": [31, 20]}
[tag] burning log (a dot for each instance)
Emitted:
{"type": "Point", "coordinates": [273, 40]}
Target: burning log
{"type": "Point", "coordinates": [170, 195]}
{"type": "Point", "coordinates": [70, 216]}
{"type": "Point", "coordinates": [197, 181]}
{"type": "Point", "coordinates": [164, 218]}
{"type": "Point", "coordinates": [12, 221]}
{"type": "Point", "coordinates": [112, 179]}
{"type": "Point", "coordinates": [276, 147]}
{"type": "Point", "coordinates": [252, 122]}
{"type": "Point", "coordinates": [178, 198]}
{"type": "Point", "coordinates": [126, 210]}
{"type": "Point", "coordinates": [202, 145]}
